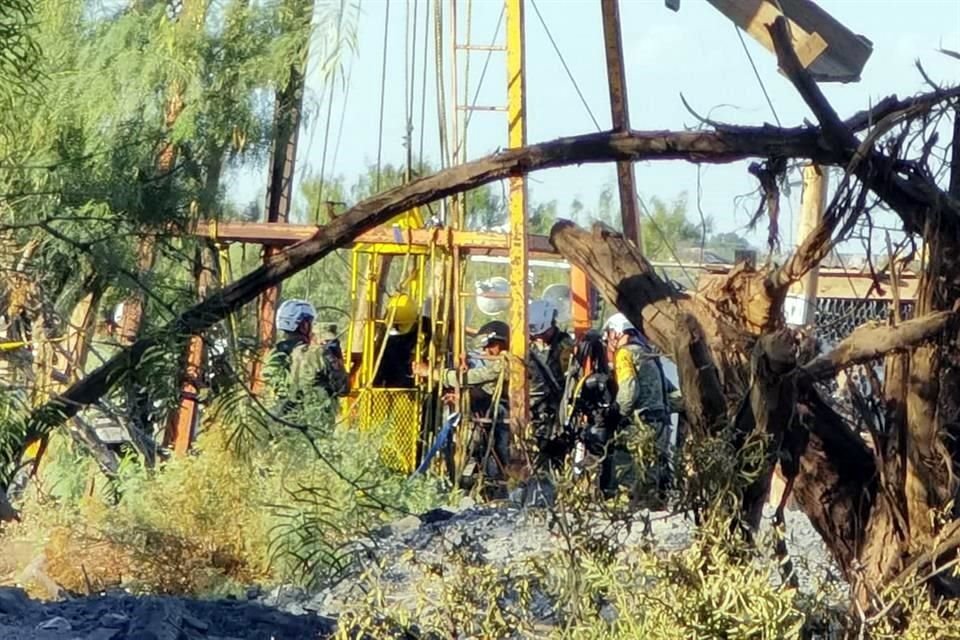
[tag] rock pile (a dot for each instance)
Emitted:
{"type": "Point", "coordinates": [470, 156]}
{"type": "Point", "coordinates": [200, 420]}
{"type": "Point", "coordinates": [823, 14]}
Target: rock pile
{"type": "Point", "coordinates": [120, 616]}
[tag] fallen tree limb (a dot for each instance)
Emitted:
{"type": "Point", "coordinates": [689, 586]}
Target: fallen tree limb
{"type": "Point", "coordinates": [871, 341]}
{"type": "Point", "coordinates": [722, 146]}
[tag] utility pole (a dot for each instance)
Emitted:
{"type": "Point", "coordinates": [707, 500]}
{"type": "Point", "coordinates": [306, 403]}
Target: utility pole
{"type": "Point", "coordinates": [616, 78]}
{"type": "Point", "coordinates": [287, 114]}
{"type": "Point", "coordinates": [801, 304]}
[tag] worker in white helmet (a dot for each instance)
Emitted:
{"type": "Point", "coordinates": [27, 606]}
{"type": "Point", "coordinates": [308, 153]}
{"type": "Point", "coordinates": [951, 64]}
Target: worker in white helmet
{"type": "Point", "coordinates": [302, 361]}
{"type": "Point", "coordinates": [643, 397]}
{"type": "Point", "coordinates": [549, 356]}
{"type": "Point", "coordinates": [547, 340]}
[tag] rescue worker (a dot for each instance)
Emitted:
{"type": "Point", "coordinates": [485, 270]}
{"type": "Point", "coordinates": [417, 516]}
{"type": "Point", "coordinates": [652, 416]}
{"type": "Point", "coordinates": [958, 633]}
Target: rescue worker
{"type": "Point", "coordinates": [486, 382]}
{"type": "Point", "coordinates": [553, 345]}
{"type": "Point", "coordinates": [399, 352]}
{"type": "Point", "coordinates": [302, 361]}
{"type": "Point", "coordinates": [549, 357]}
{"type": "Point", "coordinates": [643, 398]}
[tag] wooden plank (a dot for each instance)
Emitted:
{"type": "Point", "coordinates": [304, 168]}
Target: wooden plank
{"type": "Point", "coordinates": [824, 46]}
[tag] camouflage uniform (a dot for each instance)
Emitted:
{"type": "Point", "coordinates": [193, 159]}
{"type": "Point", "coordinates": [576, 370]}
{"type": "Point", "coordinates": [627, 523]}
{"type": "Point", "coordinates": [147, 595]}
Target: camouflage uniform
{"type": "Point", "coordinates": [548, 361]}
{"type": "Point", "coordinates": [487, 383]}
{"type": "Point", "coordinates": [296, 368]}
{"type": "Point", "coordinates": [642, 395]}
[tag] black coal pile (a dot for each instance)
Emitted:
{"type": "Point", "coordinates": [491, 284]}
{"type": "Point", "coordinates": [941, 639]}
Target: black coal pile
{"type": "Point", "coordinates": [121, 616]}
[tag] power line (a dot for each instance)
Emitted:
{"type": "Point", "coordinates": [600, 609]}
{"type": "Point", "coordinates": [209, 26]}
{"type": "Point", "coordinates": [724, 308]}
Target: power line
{"type": "Point", "coordinates": [383, 89]}
{"type": "Point", "coordinates": [565, 67]}
{"type": "Point", "coordinates": [756, 74]}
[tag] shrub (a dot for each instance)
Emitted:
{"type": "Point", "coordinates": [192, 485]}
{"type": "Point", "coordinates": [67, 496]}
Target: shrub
{"type": "Point", "coordinates": [273, 509]}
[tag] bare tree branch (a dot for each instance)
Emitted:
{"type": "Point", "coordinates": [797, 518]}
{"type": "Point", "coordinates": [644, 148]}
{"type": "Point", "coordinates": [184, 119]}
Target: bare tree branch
{"type": "Point", "coordinates": [871, 341]}
{"type": "Point", "coordinates": [911, 197]}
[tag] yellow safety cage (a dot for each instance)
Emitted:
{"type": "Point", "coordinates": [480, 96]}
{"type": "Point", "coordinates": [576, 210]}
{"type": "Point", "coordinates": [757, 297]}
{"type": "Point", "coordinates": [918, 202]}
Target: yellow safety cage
{"type": "Point", "coordinates": [397, 414]}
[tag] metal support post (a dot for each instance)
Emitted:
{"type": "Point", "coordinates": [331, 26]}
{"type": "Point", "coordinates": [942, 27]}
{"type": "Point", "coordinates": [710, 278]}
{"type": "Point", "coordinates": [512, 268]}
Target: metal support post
{"type": "Point", "coordinates": [616, 78]}
{"type": "Point", "coordinates": [517, 137]}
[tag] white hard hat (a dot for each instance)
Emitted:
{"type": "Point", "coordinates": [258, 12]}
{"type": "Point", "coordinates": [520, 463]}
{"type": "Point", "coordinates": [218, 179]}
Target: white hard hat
{"type": "Point", "coordinates": [492, 294]}
{"type": "Point", "coordinates": [618, 323]}
{"type": "Point", "coordinates": [541, 316]}
{"type": "Point", "coordinates": [292, 312]}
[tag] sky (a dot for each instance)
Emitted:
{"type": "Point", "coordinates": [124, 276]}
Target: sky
{"type": "Point", "coordinates": [695, 53]}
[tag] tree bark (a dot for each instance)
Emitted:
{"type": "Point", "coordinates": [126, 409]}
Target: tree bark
{"type": "Point", "coordinates": [871, 341]}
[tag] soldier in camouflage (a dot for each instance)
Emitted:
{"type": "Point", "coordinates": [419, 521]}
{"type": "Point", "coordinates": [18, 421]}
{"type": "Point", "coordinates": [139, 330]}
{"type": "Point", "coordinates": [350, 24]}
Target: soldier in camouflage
{"type": "Point", "coordinates": [486, 382]}
{"type": "Point", "coordinates": [302, 362]}
{"type": "Point", "coordinates": [549, 358]}
{"type": "Point", "coordinates": [644, 399]}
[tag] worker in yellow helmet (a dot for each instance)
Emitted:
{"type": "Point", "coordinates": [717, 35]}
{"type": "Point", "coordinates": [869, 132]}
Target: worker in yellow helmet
{"type": "Point", "coordinates": [399, 352]}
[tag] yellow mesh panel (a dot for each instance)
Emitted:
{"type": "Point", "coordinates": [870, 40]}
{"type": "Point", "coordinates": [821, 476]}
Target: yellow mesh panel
{"type": "Point", "coordinates": [394, 414]}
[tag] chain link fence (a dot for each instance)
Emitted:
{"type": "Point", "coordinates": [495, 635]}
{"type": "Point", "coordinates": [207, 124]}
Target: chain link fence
{"type": "Point", "coordinates": [836, 318]}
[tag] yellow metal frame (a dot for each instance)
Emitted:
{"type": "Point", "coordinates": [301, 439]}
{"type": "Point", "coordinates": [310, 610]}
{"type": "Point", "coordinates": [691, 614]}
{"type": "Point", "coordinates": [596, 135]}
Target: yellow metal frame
{"type": "Point", "coordinates": [394, 412]}
{"type": "Point", "coordinates": [517, 137]}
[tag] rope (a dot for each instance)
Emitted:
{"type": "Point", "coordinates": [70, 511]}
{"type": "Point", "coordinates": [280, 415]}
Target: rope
{"type": "Point", "coordinates": [556, 48]}
{"type": "Point", "coordinates": [383, 89]}
{"type": "Point", "coordinates": [423, 90]}
{"type": "Point", "coordinates": [756, 74]}
{"type": "Point", "coordinates": [413, 78]}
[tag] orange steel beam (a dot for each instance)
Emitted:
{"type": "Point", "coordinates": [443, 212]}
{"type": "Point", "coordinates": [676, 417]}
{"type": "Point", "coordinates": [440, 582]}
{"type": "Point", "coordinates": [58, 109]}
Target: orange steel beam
{"type": "Point", "coordinates": [281, 234]}
{"type": "Point", "coordinates": [580, 301]}
{"type": "Point", "coordinates": [181, 427]}
{"type": "Point", "coordinates": [287, 117]}
{"type": "Point", "coordinates": [834, 282]}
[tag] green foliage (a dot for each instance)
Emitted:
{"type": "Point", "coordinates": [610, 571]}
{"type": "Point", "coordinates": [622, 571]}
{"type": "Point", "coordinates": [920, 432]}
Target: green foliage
{"type": "Point", "coordinates": [667, 226]}
{"type": "Point", "coordinates": [265, 510]}
{"type": "Point", "coordinates": [598, 581]}
{"type": "Point", "coordinates": [18, 50]}
{"type": "Point", "coordinates": [704, 591]}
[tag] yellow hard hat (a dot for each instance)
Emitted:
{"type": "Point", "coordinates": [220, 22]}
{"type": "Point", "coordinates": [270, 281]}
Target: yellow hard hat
{"type": "Point", "coordinates": [404, 311]}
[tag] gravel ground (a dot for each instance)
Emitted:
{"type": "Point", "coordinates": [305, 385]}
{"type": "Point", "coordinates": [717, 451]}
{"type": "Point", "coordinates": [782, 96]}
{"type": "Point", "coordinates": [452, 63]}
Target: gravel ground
{"type": "Point", "coordinates": [408, 553]}
{"type": "Point", "coordinates": [407, 556]}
